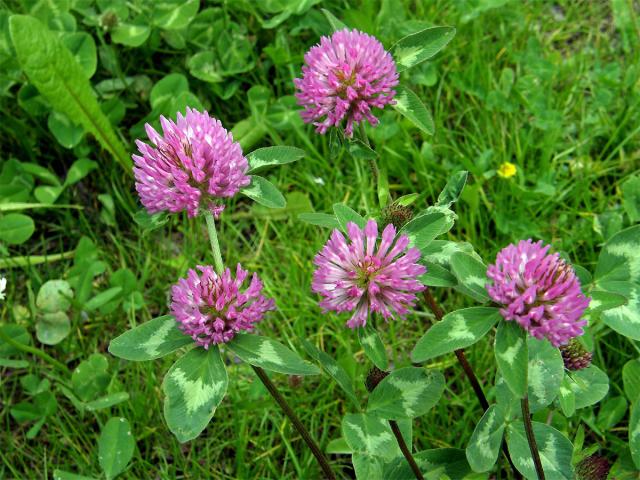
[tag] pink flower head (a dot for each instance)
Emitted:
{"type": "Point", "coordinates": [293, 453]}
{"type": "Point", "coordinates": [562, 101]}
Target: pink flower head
{"type": "Point", "coordinates": [343, 78]}
{"type": "Point", "coordinates": [212, 309]}
{"type": "Point", "coordinates": [355, 276]}
{"type": "Point", "coordinates": [195, 163]}
{"type": "Point", "coordinates": [538, 290]}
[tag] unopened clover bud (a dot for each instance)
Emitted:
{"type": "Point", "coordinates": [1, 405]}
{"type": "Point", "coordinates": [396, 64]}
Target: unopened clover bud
{"type": "Point", "coordinates": [374, 377]}
{"type": "Point", "coordinates": [594, 467]}
{"type": "Point", "coordinates": [575, 356]}
{"type": "Point", "coordinates": [396, 215]}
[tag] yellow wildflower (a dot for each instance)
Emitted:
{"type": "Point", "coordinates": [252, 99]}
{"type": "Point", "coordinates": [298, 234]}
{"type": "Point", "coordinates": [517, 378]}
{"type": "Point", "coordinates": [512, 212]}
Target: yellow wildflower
{"type": "Point", "coordinates": [507, 170]}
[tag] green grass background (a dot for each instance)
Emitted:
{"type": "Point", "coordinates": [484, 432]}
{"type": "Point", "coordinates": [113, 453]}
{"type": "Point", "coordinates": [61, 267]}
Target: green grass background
{"type": "Point", "coordinates": [549, 86]}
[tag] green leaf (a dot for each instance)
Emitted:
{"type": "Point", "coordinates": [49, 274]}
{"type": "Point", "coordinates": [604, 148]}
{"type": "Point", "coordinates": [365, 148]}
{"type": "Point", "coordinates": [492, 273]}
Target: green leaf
{"type": "Point", "coordinates": [456, 330]}
{"type": "Point", "coordinates": [452, 189]}
{"type": "Point", "coordinates": [546, 371]}
{"type": "Point", "coordinates": [62, 475]}
{"type": "Point", "coordinates": [512, 356]}
{"type": "Point", "coordinates": [202, 65]}
{"type": "Point", "coordinates": [619, 261]}
{"type": "Point", "coordinates": [102, 298]}
{"type": "Point", "coordinates": [78, 170]}
{"type": "Point", "coordinates": [423, 229]}
{"type": "Point", "coordinates": [631, 379]}
{"type": "Point", "coordinates": [16, 228]}
{"type": "Point", "coordinates": [54, 296]}
{"type": "Point", "coordinates": [194, 387]}
{"type": "Point", "coordinates": [153, 339]}
{"type": "Point", "coordinates": [373, 346]}
{"type": "Point", "coordinates": [367, 433]}
{"type": "Point", "coordinates": [631, 198]}
{"type": "Point", "coordinates": [67, 133]}
{"type": "Point", "coordinates": [471, 274]}
{"type": "Point", "coordinates": [334, 370]}
{"type": "Point", "coordinates": [52, 328]}
{"type": "Point", "coordinates": [566, 397]}
{"type": "Point", "coordinates": [409, 105]}
{"type": "Point", "coordinates": [601, 301]}
{"type": "Point", "coordinates": [406, 393]}
{"type": "Point", "coordinates": [130, 34]}
{"type": "Point", "coordinates": [437, 276]}
{"type": "Point", "coordinates": [83, 48]}
{"type": "Point", "coordinates": [484, 446]}
{"type": "Point", "coordinates": [634, 433]}
{"type": "Point", "coordinates": [115, 446]}
{"type": "Point", "coordinates": [555, 451]}
{"type": "Point", "coordinates": [367, 467]}
{"type": "Point", "coordinates": [150, 222]}
{"type": "Point", "coordinates": [611, 412]}
{"type": "Point", "coordinates": [270, 355]}
{"type": "Point", "coordinates": [52, 69]}
{"type": "Point", "coordinates": [346, 214]}
{"type": "Point", "coordinates": [333, 21]}
{"type": "Point", "coordinates": [270, 156]}
{"type": "Point", "coordinates": [174, 14]}
{"type": "Point", "coordinates": [436, 464]}
{"type": "Point", "coordinates": [90, 378]}
{"type": "Point", "coordinates": [8, 363]}
{"type": "Point", "coordinates": [18, 334]}
{"type": "Point", "coordinates": [107, 401]}
{"type": "Point", "coordinates": [165, 90]}
{"type": "Point", "coordinates": [418, 47]}
{"type": "Point", "coordinates": [320, 219]}
{"type": "Point", "coordinates": [264, 192]}
{"type": "Point", "coordinates": [625, 319]}
{"type": "Point", "coordinates": [589, 386]}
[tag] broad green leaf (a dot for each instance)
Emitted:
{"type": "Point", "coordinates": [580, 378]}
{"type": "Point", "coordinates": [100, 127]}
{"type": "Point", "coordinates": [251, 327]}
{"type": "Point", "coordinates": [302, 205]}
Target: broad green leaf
{"type": "Point", "coordinates": [90, 378]}
{"type": "Point", "coordinates": [406, 393]}
{"type": "Point", "coordinates": [78, 170]}
{"type": "Point", "coordinates": [471, 274]}
{"type": "Point", "coordinates": [107, 401]}
{"type": "Point", "coordinates": [409, 105]}
{"type": "Point", "coordinates": [333, 21]}
{"type": "Point", "coordinates": [611, 412]}
{"type": "Point", "coordinates": [423, 229]}
{"type": "Point", "coordinates": [367, 467]}
{"type": "Point", "coordinates": [174, 14]}
{"type": "Point", "coordinates": [512, 356]}
{"type": "Point", "coordinates": [367, 433]}
{"type": "Point", "coordinates": [631, 379]}
{"type": "Point", "coordinates": [62, 475]}
{"type": "Point", "coordinates": [555, 451]}
{"type": "Point", "coordinates": [67, 133]}
{"type": "Point", "coordinates": [546, 371]}
{"type": "Point", "coordinates": [373, 346]}
{"type": "Point", "coordinates": [320, 219]}
{"type": "Point", "coordinates": [202, 65]}
{"type": "Point", "coordinates": [164, 91]}
{"type": "Point", "coordinates": [264, 192]}
{"type": "Point", "coordinates": [484, 446]}
{"type": "Point", "coordinates": [270, 156]}
{"type": "Point", "coordinates": [631, 198]}
{"type": "Point", "coordinates": [418, 47]}
{"type": "Point", "coordinates": [634, 433]}
{"type": "Point", "coordinates": [452, 189]}
{"type": "Point", "coordinates": [601, 301]}
{"type": "Point", "coordinates": [8, 363]}
{"type": "Point", "coordinates": [346, 214]}
{"type": "Point", "coordinates": [130, 34]}
{"type": "Point", "coordinates": [115, 446]}
{"type": "Point", "coordinates": [436, 464]}
{"type": "Point", "coordinates": [334, 370]}
{"type": "Point", "coordinates": [52, 69]}
{"type": "Point", "coordinates": [383, 186]}
{"type": "Point", "coordinates": [52, 328]}
{"type": "Point", "coordinates": [589, 385]}
{"type": "Point", "coordinates": [270, 355]}
{"type": "Point", "coordinates": [619, 261]}
{"type": "Point", "coordinates": [83, 48]}
{"type": "Point", "coordinates": [150, 222]}
{"type": "Point", "coordinates": [16, 228]}
{"type": "Point", "coordinates": [566, 397]}
{"type": "Point", "coordinates": [625, 319]}
{"type": "Point", "coordinates": [47, 194]}
{"type": "Point", "coordinates": [153, 339]}
{"type": "Point", "coordinates": [437, 276]}
{"type": "Point", "coordinates": [456, 330]}
{"type": "Point", "coordinates": [54, 296]}
{"type": "Point", "coordinates": [15, 332]}
{"type": "Point", "coordinates": [194, 387]}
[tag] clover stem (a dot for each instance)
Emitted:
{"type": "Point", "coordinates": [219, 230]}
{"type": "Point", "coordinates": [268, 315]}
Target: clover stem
{"type": "Point", "coordinates": [277, 396]}
{"type": "Point", "coordinates": [34, 351]}
{"type": "Point", "coordinates": [531, 439]}
{"type": "Point", "coordinates": [372, 161]}
{"type": "Point", "coordinates": [405, 450]}
{"type": "Point", "coordinates": [213, 238]}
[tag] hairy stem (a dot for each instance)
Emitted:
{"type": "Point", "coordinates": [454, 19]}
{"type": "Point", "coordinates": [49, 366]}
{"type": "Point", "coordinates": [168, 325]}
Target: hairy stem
{"type": "Point", "coordinates": [533, 446]}
{"type": "Point", "coordinates": [213, 238]}
{"type": "Point", "coordinates": [405, 450]}
{"type": "Point", "coordinates": [277, 396]}
{"type": "Point", "coordinates": [373, 166]}
{"type": "Point", "coordinates": [34, 351]}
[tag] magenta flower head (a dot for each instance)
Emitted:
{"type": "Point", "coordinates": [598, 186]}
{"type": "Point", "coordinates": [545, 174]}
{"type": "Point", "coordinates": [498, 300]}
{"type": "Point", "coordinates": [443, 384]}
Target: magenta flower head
{"type": "Point", "coordinates": [357, 277]}
{"type": "Point", "coordinates": [538, 290]}
{"type": "Point", "coordinates": [194, 164]}
{"type": "Point", "coordinates": [211, 308]}
{"type": "Point", "coordinates": [343, 78]}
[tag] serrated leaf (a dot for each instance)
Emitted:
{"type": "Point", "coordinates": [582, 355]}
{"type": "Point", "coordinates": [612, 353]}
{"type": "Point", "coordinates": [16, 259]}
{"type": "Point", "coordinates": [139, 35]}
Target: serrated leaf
{"type": "Point", "coordinates": [194, 387]}
{"type": "Point", "coordinates": [373, 346]}
{"type": "Point", "coordinates": [334, 370]}
{"type": "Point", "coordinates": [410, 106]}
{"type": "Point", "coordinates": [271, 156]}
{"type": "Point", "coordinates": [420, 46]}
{"type": "Point", "coordinates": [423, 229]}
{"type": "Point", "coordinates": [153, 339]}
{"type": "Point", "coordinates": [270, 355]}
{"type": "Point", "coordinates": [546, 371]}
{"type": "Point", "coordinates": [346, 214]}
{"type": "Point", "coordinates": [555, 451]}
{"type": "Point", "coordinates": [115, 446]}
{"type": "Point", "coordinates": [52, 69]}
{"type": "Point", "coordinates": [264, 192]}
{"type": "Point", "coordinates": [456, 330]}
{"type": "Point", "coordinates": [320, 219]}
{"type": "Point", "coordinates": [512, 356]}
{"type": "Point", "coordinates": [471, 274]}
{"type": "Point", "coordinates": [406, 393]}
{"type": "Point", "coordinates": [484, 446]}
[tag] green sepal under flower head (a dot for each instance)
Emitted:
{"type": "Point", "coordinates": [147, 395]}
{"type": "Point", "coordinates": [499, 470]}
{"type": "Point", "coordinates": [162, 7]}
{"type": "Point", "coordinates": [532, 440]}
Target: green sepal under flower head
{"type": "Point", "coordinates": [396, 214]}
{"type": "Point", "coordinates": [575, 355]}
{"type": "Point", "coordinates": [374, 377]}
{"type": "Point", "coordinates": [594, 467]}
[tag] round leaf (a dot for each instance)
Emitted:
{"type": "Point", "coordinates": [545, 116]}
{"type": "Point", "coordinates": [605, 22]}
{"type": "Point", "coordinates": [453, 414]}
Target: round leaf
{"type": "Point", "coordinates": [52, 328]}
{"type": "Point", "coordinates": [115, 446]}
{"type": "Point", "coordinates": [546, 371]}
{"type": "Point", "coordinates": [16, 228]}
{"type": "Point", "coordinates": [54, 296]}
